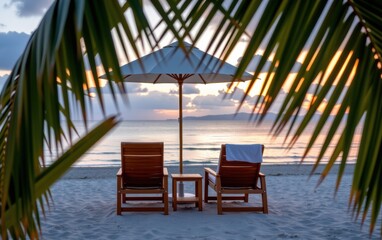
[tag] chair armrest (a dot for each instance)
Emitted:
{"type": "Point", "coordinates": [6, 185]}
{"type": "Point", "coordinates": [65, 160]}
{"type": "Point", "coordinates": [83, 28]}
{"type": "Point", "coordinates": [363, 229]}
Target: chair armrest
{"type": "Point", "coordinates": [119, 173]}
{"type": "Point", "coordinates": [262, 182]}
{"type": "Point", "coordinates": [210, 171]}
{"type": "Point", "coordinates": [119, 180]}
{"type": "Point", "coordinates": [165, 179]}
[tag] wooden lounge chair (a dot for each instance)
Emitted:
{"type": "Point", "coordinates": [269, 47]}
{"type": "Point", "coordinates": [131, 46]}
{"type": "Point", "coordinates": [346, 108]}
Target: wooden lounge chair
{"type": "Point", "coordinates": [235, 178]}
{"type": "Point", "coordinates": [142, 172]}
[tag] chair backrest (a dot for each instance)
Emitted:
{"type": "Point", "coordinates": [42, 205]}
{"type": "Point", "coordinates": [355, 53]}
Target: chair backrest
{"type": "Point", "coordinates": [237, 173]}
{"type": "Point", "coordinates": [142, 164]}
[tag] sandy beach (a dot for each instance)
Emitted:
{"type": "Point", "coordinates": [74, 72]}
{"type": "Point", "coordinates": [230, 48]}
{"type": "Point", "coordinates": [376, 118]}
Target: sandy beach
{"type": "Point", "coordinates": [85, 208]}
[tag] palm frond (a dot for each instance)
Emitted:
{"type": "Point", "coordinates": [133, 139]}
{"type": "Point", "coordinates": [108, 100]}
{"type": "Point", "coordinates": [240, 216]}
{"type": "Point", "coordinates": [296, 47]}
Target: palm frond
{"type": "Point", "coordinates": [47, 85]}
{"type": "Point", "coordinates": [341, 73]}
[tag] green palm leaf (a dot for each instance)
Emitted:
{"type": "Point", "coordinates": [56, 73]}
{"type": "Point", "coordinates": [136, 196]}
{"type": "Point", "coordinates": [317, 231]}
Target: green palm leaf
{"type": "Point", "coordinates": [47, 85]}
{"type": "Point", "coordinates": [342, 45]}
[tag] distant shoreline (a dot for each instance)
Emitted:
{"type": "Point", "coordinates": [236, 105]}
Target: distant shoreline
{"type": "Point", "coordinates": [242, 116]}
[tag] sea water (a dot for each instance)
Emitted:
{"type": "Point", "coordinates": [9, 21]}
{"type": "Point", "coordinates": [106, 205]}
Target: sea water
{"type": "Point", "coordinates": [202, 140]}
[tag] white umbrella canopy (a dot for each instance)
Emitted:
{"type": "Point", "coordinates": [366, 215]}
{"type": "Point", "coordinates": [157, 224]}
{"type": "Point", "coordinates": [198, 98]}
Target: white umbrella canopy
{"type": "Point", "coordinates": [173, 64]}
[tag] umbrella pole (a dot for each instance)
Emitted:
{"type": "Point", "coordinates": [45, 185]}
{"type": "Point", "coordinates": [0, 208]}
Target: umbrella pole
{"type": "Point", "coordinates": [181, 186]}
{"type": "Point", "coordinates": [180, 127]}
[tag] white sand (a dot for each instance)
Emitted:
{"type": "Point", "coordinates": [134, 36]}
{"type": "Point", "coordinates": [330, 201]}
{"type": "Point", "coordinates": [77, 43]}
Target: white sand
{"type": "Point", "coordinates": [85, 202]}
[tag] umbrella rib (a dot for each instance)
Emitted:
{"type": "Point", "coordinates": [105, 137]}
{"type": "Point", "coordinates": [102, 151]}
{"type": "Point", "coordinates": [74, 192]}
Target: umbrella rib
{"type": "Point", "coordinates": [179, 77]}
{"type": "Point", "coordinates": [156, 79]}
{"type": "Point", "coordinates": [126, 76]}
{"type": "Point", "coordinates": [174, 76]}
{"type": "Point", "coordinates": [187, 76]}
{"type": "Point", "coordinates": [204, 81]}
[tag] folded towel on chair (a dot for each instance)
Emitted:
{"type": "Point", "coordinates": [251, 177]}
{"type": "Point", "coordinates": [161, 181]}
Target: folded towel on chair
{"type": "Point", "coordinates": [244, 152]}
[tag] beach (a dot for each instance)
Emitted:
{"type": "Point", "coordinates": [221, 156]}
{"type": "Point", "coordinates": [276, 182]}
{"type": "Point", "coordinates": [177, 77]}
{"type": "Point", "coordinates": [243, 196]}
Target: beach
{"type": "Point", "coordinates": [84, 207]}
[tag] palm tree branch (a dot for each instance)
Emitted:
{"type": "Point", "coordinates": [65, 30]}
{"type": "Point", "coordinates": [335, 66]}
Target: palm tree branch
{"type": "Point", "coordinates": [46, 85]}
{"type": "Point", "coordinates": [342, 43]}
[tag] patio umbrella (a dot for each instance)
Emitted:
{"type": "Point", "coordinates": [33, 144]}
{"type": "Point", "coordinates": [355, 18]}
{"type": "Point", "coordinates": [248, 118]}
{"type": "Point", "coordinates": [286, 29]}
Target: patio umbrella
{"type": "Point", "coordinates": [172, 64]}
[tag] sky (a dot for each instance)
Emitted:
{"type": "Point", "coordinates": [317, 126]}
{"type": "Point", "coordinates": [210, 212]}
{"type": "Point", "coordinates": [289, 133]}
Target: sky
{"type": "Point", "coordinates": [19, 18]}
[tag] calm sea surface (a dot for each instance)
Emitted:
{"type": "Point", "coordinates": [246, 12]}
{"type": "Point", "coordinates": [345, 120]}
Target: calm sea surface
{"type": "Point", "coordinates": [201, 142]}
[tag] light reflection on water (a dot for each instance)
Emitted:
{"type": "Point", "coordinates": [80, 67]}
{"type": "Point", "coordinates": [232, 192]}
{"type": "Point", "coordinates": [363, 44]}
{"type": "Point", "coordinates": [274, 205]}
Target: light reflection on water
{"type": "Point", "coordinates": [201, 142]}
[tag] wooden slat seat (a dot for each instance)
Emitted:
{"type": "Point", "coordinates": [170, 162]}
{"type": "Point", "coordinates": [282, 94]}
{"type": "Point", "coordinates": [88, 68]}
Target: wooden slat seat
{"type": "Point", "coordinates": [235, 178]}
{"type": "Point", "coordinates": [142, 172]}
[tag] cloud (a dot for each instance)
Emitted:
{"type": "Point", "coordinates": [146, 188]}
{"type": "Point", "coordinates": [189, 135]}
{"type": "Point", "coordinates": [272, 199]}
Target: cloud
{"type": "Point", "coordinates": [2, 25]}
{"type": "Point", "coordinates": [152, 105]}
{"type": "Point", "coordinates": [221, 100]}
{"type": "Point", "coordinates": [158, 105]}
{"type": "Point", "coordinates": [136, 88]}
{"type": "Point", "coordinates": [187, 89]}
{"type": "Point", "coordinates": [28, 8]}
{"type": "Point", "coordinates": [211, 102]}
{"type": "Point", "coordinates": [139, 97]}
{"type": "Point", "coordinates": [256, 60]}
{"type": "Point", "coordinates": [190, 89]}
{"type": "Point", "coordinates": [129, 87]}
{"type": "Point", "coordinates": [237, 94]}
{"type": "Point", "coordinates": [156, 100]}
{"type": "Point", "coordinates": [12, 44]}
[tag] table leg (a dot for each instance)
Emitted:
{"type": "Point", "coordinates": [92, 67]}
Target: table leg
{"type": "Point", "coordinates": [196, 192]}
{"type": "Point", "coordinates": [200, 194]}
{"type": "Point", "coordinates": [174, 195]}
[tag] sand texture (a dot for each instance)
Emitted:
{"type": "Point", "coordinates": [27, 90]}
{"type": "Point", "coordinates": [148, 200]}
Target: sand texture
{"type": "Point", "coordinates": [85, 208]}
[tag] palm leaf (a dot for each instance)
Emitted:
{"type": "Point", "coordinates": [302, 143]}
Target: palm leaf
{"type": "Point", "coordinates": [47, 85]}
{"type": "Point", "coordinates": [50, 175]}
{"type": "Point", "coordinates": [342, 45]}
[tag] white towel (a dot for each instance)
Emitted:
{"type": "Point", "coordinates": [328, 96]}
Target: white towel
{"type": "Point", "coordinates": [244, 152]}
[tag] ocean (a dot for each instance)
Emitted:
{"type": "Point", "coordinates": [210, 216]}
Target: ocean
{"type": "Point", "coordinates": [201, 142]}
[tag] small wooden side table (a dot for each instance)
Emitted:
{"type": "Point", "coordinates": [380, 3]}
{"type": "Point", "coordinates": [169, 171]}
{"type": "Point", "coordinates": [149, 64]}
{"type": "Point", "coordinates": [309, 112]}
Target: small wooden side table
{"type": "Point", "coordinates": [197, 178]}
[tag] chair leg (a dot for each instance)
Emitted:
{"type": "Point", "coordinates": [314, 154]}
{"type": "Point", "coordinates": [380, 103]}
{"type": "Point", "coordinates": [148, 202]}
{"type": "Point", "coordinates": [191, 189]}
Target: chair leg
{"type": "Point", "coordinates": [265, 202]}
{"type": "Point", "coordinates": [219, 203]}
{"type": "Point", "coordinates": [264, 194]}
{"type": "Point", "coordinates": [206, 187]}
{"type": "Point", "coordinates": [165, 203]}
{"type": "Point", "coordinates": [246, 197]}
{"type": "Point", "coordinates": [206, 194]}
{"type": "Point", "coordinates": [119, 196]}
